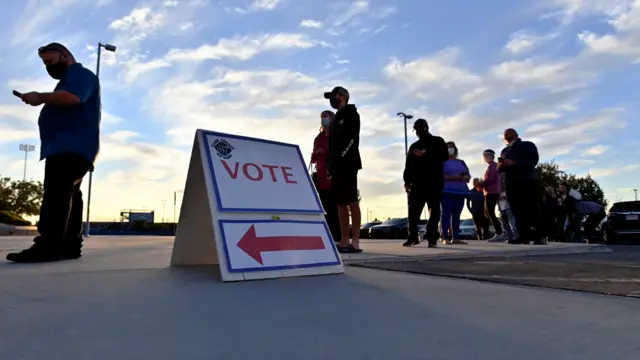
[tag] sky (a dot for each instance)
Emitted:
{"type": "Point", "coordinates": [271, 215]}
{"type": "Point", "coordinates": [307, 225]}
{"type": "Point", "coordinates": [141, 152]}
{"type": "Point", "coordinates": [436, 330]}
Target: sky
{"type": "Point", "coordinates": [564, 73]}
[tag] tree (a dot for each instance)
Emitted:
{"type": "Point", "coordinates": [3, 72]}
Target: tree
{"type": "Point", "coordinates": [21, 197]}
{"type": "Point", "coordinates": [551, 175]}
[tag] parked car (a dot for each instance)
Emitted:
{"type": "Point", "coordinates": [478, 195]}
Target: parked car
{"type": "Point", "coordinates": [395, 228]}
{"type": "Point", "coordinates": [422, 227]}
{"type": "Point", "coordinates": [622, 223]}
{"type": "Point", "coordinates": [364, 229]}
{"type": "Point", "coordinates": [468, 230]}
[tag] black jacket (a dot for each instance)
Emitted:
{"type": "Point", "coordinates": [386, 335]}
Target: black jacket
{"type": "Point", "coordinates": [426, 171]}
{"type": "Point", "coordinates": [525, 155]}
{"type": "Point", "coordinates": [344, 141]}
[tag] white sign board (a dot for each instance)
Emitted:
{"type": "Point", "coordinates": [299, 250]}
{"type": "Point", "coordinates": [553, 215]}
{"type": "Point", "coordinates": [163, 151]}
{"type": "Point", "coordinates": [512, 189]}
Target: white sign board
{"type": "Point", "coordinates": [277, 244]}
{"type": "Point", "coordinates": [250, 207]}
{"type": "Point", "coordinates": [273, 176]}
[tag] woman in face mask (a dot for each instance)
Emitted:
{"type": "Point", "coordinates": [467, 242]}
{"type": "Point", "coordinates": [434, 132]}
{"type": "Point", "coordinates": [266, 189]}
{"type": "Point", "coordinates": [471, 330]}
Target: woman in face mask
{"type": "Point", "coordinates": [321, 176]}
{"type": "Point", "coordinates": [456, 178]}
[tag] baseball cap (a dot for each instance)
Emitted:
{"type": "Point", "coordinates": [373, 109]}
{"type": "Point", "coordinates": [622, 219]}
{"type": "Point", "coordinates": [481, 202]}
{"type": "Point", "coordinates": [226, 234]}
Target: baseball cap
{"type": "Point", "coordinates": [420, 123]}
{"type": "Point", "coordinates": [337, 90]}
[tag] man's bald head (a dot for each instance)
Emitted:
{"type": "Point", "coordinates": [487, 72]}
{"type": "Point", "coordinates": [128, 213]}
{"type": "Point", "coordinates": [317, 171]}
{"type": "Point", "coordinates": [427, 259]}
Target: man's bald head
{"type": "Point", "coordinates": [510, 135]}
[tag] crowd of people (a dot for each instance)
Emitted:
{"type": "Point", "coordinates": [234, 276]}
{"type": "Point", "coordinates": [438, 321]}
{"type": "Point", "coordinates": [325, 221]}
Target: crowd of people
{"type": "Point", "coordinates": [434, 176]}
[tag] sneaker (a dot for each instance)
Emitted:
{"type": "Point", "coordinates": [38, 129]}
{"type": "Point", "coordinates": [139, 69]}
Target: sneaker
{"type": "Point", "coordinates": [458, 242]}
{"type": "Point", "coordinates": [446, 242]}
{"type": "Point", "coordinates": [411, 243]}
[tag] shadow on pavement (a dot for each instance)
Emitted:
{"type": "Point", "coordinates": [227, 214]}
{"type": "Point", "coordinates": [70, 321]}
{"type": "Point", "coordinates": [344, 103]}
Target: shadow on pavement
{"type": "Point", "coordinates": [614, 273]}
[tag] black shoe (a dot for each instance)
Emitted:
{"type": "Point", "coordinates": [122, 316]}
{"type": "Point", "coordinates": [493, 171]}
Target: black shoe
{"type": "Point", "coordinates": [519, 241]}
{"type": "Point", "coordinates": [433, 245]}
{"type": "Point", "coordinates": [34, 254]}
{"type": "Point", "coordinates": [411, 243]}
{"type": "Point", "coordinates": [71, 254]}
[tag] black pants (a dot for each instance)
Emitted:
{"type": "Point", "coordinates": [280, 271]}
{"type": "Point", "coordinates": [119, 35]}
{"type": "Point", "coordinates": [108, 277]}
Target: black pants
{"type": "Point", "coordinates": [524, 204]}
{"type": "Point", "coordinates": [60, 223]}
{"type": "Point", "coordinates": [331, 213]}
{"type": "Point", "coordinates": [416, 199]}
{"type": "Point", "coordinates": [490, 203]}
{"type": "Point", "coordinates": [482, 225]}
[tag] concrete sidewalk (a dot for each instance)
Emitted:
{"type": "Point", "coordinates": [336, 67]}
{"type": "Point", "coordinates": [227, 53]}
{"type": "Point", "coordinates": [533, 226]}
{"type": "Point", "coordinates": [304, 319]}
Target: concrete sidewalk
{"type": "Point", "coordinates": [121, 302]}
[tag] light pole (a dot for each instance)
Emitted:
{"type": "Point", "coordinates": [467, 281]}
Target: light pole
{"type": "Point", "coordinates": [636, 191]}
{"type": "Point", "coordinates": [27, 149]}
{"type": "Point", "coordinates": [111, 48]}
{"type": "Point", "coordinates": [164, 202]}
{"type": "Point", "coordinates": [406, 141]}
{"type": "Point", "coordinates": [175, 202]}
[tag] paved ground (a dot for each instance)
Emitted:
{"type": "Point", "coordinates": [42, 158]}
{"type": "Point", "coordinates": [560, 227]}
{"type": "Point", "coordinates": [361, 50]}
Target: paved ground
{"type": "Point", "coordinates": [616, 273]}
{"type": "Point", "coordinates": [121, 302]}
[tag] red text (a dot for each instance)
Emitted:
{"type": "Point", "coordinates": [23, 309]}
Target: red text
{"type": "Point", "coordinates": [255, 172]}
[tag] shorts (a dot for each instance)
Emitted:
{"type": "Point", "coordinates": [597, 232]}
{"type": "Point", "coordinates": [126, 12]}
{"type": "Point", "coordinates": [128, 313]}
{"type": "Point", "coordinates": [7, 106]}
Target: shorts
{"type": "Point", "coordinates": [344, 186]}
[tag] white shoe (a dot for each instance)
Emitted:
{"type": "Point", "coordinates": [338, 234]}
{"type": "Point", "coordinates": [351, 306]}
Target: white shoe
{"type": "Point", "coordinates": [498, 238]}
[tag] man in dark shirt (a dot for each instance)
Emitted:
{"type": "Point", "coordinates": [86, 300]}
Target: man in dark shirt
{"type": "Point", "coordinates": [69, 132]}
{"type": "Point", "coordinates": [518, 163]}
{"type": "Point", "coordinates": [424, 181]}
{"type": "Point", "coordinates": [343, 165]}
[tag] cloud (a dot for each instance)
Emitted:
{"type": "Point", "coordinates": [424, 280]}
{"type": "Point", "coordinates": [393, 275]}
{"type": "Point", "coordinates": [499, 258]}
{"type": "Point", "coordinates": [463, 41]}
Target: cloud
{"type": "Point", "coordinates": [264, 5]}
{"type": "Point", "coordinates": [245, 47]}
{"type": "Point", "coordinates": [524, 41]}
{"type": "Point", "coordinates": [596, 150]}
{"type": "Point", "coordinates": [435, 71]}
{"type": "Point", "coordinates": [312, 24]}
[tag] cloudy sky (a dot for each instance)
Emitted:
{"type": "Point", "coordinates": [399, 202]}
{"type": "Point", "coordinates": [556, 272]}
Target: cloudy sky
{"type": "Point", "coordinates": [563, 72]}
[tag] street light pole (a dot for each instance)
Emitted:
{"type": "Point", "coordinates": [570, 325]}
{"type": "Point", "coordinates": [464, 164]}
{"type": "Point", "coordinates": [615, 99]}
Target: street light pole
{"type": "Point", "coordinates": [636, 191]}
{"type": "Point", "coordinates": [26, 148]}
{"type": "Point", "coordinates": [406, 140]}
{"type": "Point", "coordinates": [164, 202]}
{"type": "Point", "coordinates": [111, 48]}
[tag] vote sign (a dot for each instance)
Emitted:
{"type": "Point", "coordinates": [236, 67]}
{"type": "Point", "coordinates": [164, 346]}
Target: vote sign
{"type": "Point", "coordinates": [256, 175]}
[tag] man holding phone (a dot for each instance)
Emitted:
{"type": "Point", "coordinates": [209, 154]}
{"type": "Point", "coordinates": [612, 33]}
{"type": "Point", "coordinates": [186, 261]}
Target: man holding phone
{"type": "Point", "coordinates": [69, 125]}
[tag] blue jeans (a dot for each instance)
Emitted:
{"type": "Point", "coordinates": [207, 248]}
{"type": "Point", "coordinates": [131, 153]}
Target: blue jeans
{"type": "Point", "coordinates": [508, 223]}
{"type": "Point", "coordinates": [452, 205]}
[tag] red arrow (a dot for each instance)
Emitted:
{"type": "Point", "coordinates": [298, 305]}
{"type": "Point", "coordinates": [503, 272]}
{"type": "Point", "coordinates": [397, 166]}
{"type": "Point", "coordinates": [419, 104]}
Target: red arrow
{"type": "Point", "coordinates": [254, 246]}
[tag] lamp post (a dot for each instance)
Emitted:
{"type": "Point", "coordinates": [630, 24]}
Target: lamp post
{"type": "Point", "coordinates": [26, 148]}
{"type": "Point", "coordinates": [111, 48]}
{"type": "Point", "coordinates": [164, 202]}
{"type": "Point", "coordinates": [636, 192]}
{"type": "Point", "coordinates": [406, 141]}
{"type": "Point", "coordinates": [175, 202]}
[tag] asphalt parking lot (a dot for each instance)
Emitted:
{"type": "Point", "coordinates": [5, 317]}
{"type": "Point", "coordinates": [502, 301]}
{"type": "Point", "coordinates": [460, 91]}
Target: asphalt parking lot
{"type": "Point", "coordinates": [614, 273]}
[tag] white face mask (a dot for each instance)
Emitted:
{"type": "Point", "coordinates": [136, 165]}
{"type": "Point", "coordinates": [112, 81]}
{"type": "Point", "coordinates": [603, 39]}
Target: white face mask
{"type": "Point", "coordinates": [325, 122]}
{"type": "Point", "coordinates": [452, 151]}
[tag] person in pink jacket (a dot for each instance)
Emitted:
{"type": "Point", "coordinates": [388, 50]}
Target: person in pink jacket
{"type": "Point", "coordinates": [491, 186]}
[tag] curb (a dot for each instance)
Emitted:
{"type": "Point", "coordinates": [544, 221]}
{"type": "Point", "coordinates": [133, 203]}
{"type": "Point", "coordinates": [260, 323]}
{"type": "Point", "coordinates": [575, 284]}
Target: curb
{"type": "Point", "coordinates": [569, 250]}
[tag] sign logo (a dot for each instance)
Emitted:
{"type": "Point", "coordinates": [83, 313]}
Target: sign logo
{"type": "Point", "coordinates": [223, 148]}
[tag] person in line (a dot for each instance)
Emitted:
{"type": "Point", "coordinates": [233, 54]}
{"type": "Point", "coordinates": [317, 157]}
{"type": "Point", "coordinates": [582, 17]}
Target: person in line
{"type": "Point", "coordinates": [476, 206]}
{"type": "Point", "coordinates": [456, 178]}
{"type": "Point", "coordinates": [551, 203]}
{"type": "Point", "coordinates": [518, 164]}
{"type": "Point", "coordinates": [491, 186]}
{"type": "Point", "coordinates": [343, 164]}
{"type": "Point", "coordinates": [595, 213]}
{"type": "Point", "coordinates": [321, 174]}
{"type": "Point", "coordinates": [70, 136]}
{"type": "Point", "coordinates": [571, 200]}
{"type": "Point", "coordinates": [506, 216]}
{"type": "Point", "coordinates": [423, 182]}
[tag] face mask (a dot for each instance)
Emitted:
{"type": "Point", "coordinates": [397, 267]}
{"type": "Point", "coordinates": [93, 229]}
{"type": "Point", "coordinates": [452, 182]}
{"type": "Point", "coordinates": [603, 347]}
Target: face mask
{"type": "Point", "coordinates": [325, 122]}
{"type": "Point", "coordinates": [57, 70]}
{"type": "Point", "coordinates": [452, 151]}
{"type": "Point", "coordinates": [510, 142]}
{"type": "Point", "coordinates": [334, 102]}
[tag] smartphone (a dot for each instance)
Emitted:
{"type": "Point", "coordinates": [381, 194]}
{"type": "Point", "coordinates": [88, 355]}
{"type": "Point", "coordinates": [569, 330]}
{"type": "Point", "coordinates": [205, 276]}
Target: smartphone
{"type": "Point", "coordinates": [17, 93]}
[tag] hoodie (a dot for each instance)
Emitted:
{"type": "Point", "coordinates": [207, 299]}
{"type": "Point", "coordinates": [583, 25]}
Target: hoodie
{"type": "Point", "coordinates": [344, 141]}
{"type": "Point", "coordinates": [426, 171]}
